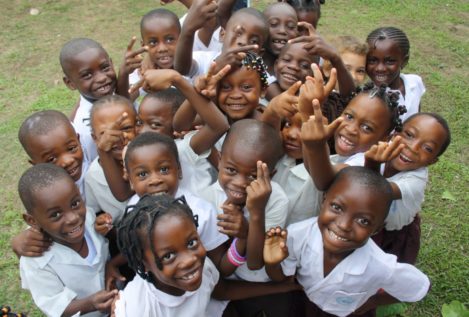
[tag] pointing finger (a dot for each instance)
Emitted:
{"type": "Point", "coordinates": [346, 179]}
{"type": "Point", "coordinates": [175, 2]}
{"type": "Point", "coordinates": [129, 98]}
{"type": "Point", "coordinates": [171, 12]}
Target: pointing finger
{"type": "Point", "coordinates": [131, 43]}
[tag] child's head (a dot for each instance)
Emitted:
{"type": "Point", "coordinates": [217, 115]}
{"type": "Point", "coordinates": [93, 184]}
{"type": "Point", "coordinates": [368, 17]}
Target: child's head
{"type": "Point", "coordinates": [160, 29]}
{"type": "Point", "coordinates": [53, 204]}
{"type": "Point", "coordinates": [49, 137]}
{"type": "Point", "coordinates": [353, 54]}
{"type": "Point", "coordinates": [369, 117]}
{"type": "Point", "coordinates": [87, 68]}
{"type": "Point", "coordinates": [293, 64]}
{"type": "Point", "coordinates": [246, 26]}
{"type": "Point", "coordinates": [160, 241]}
{"type": "Point", "coordinates": [240, 90]}
{"type": "Point", "coordinates": [426, 136]}
{"type": "Point", "coordinates": [388, 54]}
{"type": "Point", "coordinates": [283, 22]}
{"type": "Point", "coordinates": [157, 109]}
{"type": "Point", "coordinates": [354, 208]}
{"type": "Point", "coordinates": [152, 164]}
{"type": "Point", "coordinates": [108, 112]}
{"type": "Point", "coordinates": [291, 136]}
{"type": "Point", "coordinates": [247, 142]}
{"type": "Point", "coordinates": [307, 10]}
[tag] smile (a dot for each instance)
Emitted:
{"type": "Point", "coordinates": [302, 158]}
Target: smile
{"type": "Point", "coordinates": [76, 231]}
{"type": "Point", "coordinates": [236, 106]}
{"type": "Point", "coordinates": [73, 171]}
{"type": "Point", "coordinates": [405, 158]}
{"type": "Point", "coordinates": [104, 89]}
{"type": "Point", "coordinates": [236, 194]}
{"type": "Point", "coordinates": [193, 275]}
{"type": "Point", "coordinates": [289, 77]}
{"type": "Point", "coordinates": [334, 236]}
{"type": "Point", "coordinates": [281, 41]}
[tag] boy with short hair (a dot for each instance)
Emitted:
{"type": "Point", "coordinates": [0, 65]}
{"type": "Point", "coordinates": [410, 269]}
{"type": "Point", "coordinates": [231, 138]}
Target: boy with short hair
{"type": "Point", "coordinates": [68, 279]}
{"type": "Point", "coordinates": [340, 268]}
{"type": "Point", "coordinates": [87, 68]}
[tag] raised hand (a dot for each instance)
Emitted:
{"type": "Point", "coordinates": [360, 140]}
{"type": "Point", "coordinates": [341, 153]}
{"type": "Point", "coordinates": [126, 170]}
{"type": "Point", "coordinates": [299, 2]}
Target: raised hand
{"type": "Point", "coordinates": [132, 59]}
{"type": "Point", "coordinates": [112, 135]}
{"type": "Point", "coordinates": [275, 246]}
{"type": "Point", "coordinates": [385, 151]}
{"type": "Point", "coordinates": [207, 84]}
{"type": "Point", "coordinates": [315, 44]}
{"type": "Point", "coordinates": [232, 221]}
{"type": "Point", "coordinates": [103, 223]}
{"type": "Point", "coordinates": [315, 132]}
{"type": "Point", "coordinates": [235, 55]}
{"type": "Point", "coordinates": [258, 192]}
{"type": "Point", "coordinates": [155, 80]}
{"type": "Point", "coordinates": [285, 105]}
{"type": "Point", "coordinates": [199, 13]}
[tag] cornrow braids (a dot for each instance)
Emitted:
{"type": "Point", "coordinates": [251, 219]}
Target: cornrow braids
{"type": "Point", "coordinates": [307, 5]}
{"type": "Point", "coordinates": [254, 61]}
{"type": "Point", "coordinates": [392, 33]}
{"type": "Point", "coordinates": [138, 224]}
{"type": "Point", "coordinates": [390, 98]}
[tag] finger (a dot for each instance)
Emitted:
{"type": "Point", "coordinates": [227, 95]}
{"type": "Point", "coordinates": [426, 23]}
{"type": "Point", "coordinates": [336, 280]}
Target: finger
{"type": "Point", "coordinates": [117, 124]}
{"type": "Point", "coordinates": [265, 173]}
{"type": "Point", "coordinates": [300, 39]}
{"type": "Point", "coordinates": [139, 51]}
{"type": "Point", "coordinates": [135, 87]}
{"type": "Point", "coordinates": [293, 89]}
{"type": "Point", "coordinates": [211, 69]}
{"type": "Point", "coordinates": [307, 26]}
{"type": "Point", "coordinates": [131, 43]}
{"type": "Point", "coordinates": [222, 73]}
{"type": "Point", "coordinates": [396, 151]}
{"type": "Point", "coordinates": [246, 48]}
{"type": "Point", "coordinates": [317, 74]}
{"type": "Point", "coordinates": [331, 83]}
{"type": "Point", "coordinates": [334, 125]}
{"type": "Point", "coordinates": [317, 111]}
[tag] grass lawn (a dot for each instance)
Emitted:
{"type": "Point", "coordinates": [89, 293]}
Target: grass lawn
{"type": "Point", "coordinates": [31, 80]}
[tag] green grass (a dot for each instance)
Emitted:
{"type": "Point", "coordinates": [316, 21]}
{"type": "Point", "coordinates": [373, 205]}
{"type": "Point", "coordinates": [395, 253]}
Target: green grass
{"type": "Point", "coordinates": [31, 80]}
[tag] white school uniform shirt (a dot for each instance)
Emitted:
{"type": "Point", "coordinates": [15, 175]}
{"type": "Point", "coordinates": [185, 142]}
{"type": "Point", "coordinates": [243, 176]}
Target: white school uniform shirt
{"type": "Point", "coordinates": [98, 194]}
{"type": "Point", "coordinates": [207, 218]}
{"type": "Point", "coordinates": [412, 186]}
{"type": "Point", "coordinates": [357, 159]}
{"type": "Point", "coordinates": [61, 275]}
{"type": "Point", "coordinates": [304, 199]}
{"type": "Point", "coordinates": [414, 90]}
{"type": "Point", "coordinates": [197, 172]}
{"type": "Point", "coordinates": [215, 42]}
{"type": "Point", "coordinates": [82, 125]}
{"type": "Point", "coordinates": [141, 298]}
{"type": "Point", "coordinates": [201, 61]}
{"type": "Point", "coordinates": [355, 279]}
{"type": "Point", "coordinates": [276, 212]}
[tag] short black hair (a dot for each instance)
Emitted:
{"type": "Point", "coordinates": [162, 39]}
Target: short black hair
{"type": "Point", "coordinates": [37, 177]}
{"type": "Point", "coordinates": [159, 13]}
{"type": "Point", "coordinates": [441, 121]}
{"type": "Point", "coordinates": [76, 46]}
{"type": "Point", "coordinates": [252, 134]}
{"type": "Point", "coordinates": [41, 123]}
{"type": "Point", "coordinates": [257, 14]}
{"type": "Point", "coordinates": [306, 5]}
{"type": "Point", "coordinates": [109, 101]}
{"type": "Point", "coordinates": [172, 96]}
{"type": "Point", "coordinates": [137, 226]}
{"type": "Point", "coordinates": [150, 138]}
{"type": "Point", "coordinates": [368, 178]}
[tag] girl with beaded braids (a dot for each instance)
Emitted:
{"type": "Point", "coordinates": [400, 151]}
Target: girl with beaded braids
{"type": "Point", "coordinates": [388, 54]}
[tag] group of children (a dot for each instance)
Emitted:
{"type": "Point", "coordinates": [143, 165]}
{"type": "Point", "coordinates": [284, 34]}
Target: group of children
{"type": "Point", "coordinates": [239, 165]}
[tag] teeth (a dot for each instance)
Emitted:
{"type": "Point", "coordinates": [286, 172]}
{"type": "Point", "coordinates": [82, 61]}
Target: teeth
{"type": "Point", "coordinates": [164, 58]}
{"type": "Point", "coordinates": [280, 41]}
{"type": "Point", "coordinates": [236, 107]}
{"type": "Point", "coordinates": [236, 194]}
{"type": "Point", "coordinates": [405, 158]}
{"type": "Point", "coordinates": [188, 277]}
{"type": "Point", "coordinates": [336, 237]}
{"type": "Point", "coordinates": [346, 141]}
{"type": "Point", "coordinates": [76, 229]}
{"type": "Point", "coordinates": [104, 88]}
{"type": "Point", "coordinates": [381, 77]}
{"type": "Point", "coordinates": [289, 77]}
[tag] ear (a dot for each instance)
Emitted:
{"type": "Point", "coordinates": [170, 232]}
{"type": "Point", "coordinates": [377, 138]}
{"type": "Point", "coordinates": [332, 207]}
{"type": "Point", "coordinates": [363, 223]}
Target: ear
{"type": "Point", "coordinates": [93, 136]}
{"type": "Point", "coordinates": [222, 34]}
{"type": "Point", "coordinates": [29, 219]}
{"type": "Point", "coordinates": [69, 83]}
{"type": "Point", "coordinates": [381, 226]}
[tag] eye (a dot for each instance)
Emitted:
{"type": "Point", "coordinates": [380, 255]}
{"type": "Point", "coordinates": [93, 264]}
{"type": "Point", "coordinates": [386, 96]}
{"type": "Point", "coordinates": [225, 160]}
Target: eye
{"type": "Point", "coordinates": [127, 128]}
{"type": "Point", "coordinates": [138, 123]}
{"type": "Point", "coordinates": [73, 148]}
{"type": "Point", "coordinates": [361, 71]}
{"type": "Point", "coordinates": [76, 203]}
{"type": "Point", "coordinates": [164, 170]}
{"type": "Point", "coordinates": [86, 76]}
{"type": "Point", "coordinates": [169, 39]}
{"type": "Point", "coordinates": [254, 40]}
{"type": "Point", "coordinates": [252, 177]}
{"type": "Point", "coordinates": [193, 244]}
{"type": "Point", "coordinates": [428, 148]}
{"type": "Point", "coordinates": [371, 60]}
{"type": "Point", "coordinates": [155, 125]}
{"type": "Point", "coordinates": [230, 171]}
{"type": "Point", "coordinates": [366, 128]}
{"type": "Point", "coordinates": [105, 67]}
{"type": "Point", "coordinates": [291, 26]}
{"type": "Point", "coordinates": [225, 86]}
{"type": "Point", "coordinates": [389, 61]}
{"type": "Point", "coordinates": [142, 174]}
{"type": "Point", "coordinates": [363, 222]}
{"type": "Point", "coordinates": [336, 207]}
{"type": "Point", "coordinates": [408, 134]}
{"type": "Point", "coordinates": [152, 42]}
{"type": "Point", "coordinates": [246, 86]}
{"type": "Point", "coordinates": [51, 159]}
{"type": "Point", "coordinates": [348, 116]}
{"type": "Point", "coordinates": [305, 65]}
{"type": "Point", "coordinates": [168, 257]}
{"type": "Point", "coordinates": [287, 124]}
{"type": "Point", "coordinates": [55, 215]}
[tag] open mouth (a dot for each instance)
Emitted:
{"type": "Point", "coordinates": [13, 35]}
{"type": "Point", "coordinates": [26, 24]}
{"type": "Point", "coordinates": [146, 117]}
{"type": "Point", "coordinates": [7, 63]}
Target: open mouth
{"type": "Point", "coordinates": [381, 78]}
{"type": "Point", "coordinates": [105, 89]}
{"type": "Point", "coordinates": [74, 171]}
{"type": "Point", "coordinates": [334, 236]}
{"type": "Point", "coordinates": [292, 147]}
{"type": "Point", "coordinates": [236, 107]}
{"type": "Point", "coordinates": [344, 143]}
{"type": "Point", "coordinates": [404, 158]}
{"type": "Point", "coordinates": [235, 194]}
{"type": "Point", "coordinates": [191, 276]}
{"type": "Point", "coordinates": [76, 231]}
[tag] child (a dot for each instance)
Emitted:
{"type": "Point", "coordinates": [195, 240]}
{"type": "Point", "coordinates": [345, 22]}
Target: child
{"type": "Point", "coordinates": [308, 11]}
{"type": "Point", "coordinates": [68, 279]}
{"type": "Point", "coordinates": [353, 54]}
{"type": "Point", "coordinates": [88, 69]}
{"type": "Point", "coordinates": [48, 137]}
{"type": "Point", "coordinates": [388, 54]}
{"type": "Point", "coordinates": [113, 127]}
{"type": "Point", "coordinates": [424, 137]}
{"type": "Point", "coordinates": [341, 270]}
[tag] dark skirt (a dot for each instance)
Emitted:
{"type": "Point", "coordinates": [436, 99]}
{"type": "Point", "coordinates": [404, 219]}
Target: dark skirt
{"type": "Point", "coordinates": [404, 243]}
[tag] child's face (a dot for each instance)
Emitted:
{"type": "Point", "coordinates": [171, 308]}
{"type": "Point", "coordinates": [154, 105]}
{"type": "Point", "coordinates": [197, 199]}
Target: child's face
{"type": "Point", "coordinates": [105, 118]}
{"type": "Point", "coordinates": [161, 36]}
{"type": "Point", "coordinates": [291, 137]}
{"type": "Point", "coordinates": [153, 169]}
{"type": "Point", "coordinates": [181, 253]}
{"type": "Point", "coordinates": [292, 65]}
{"type": "Point", "coordinates": [239, 93]}
{"type": "Point", "coordinates": [350, 214]}
{"type": "Point", "coordinates": [282, 27]}
{"type": "Point", "coordinates": [156, 116]}
{"type": "Point", "coordinates": [423, 137]}
{"type": "Point", "coordinates": [384, 63]}
{"type": "Point", "coordinates": [60, 147]}
{"type": "Point", "coordinates": [92, 73]}
{"type": "Point", "coordinates": [60, 212]}
{"type": "Point", "coordinates": [356, 65]}
{"type": "Point", "coordinates": [242, 30]}
{"type": "Point", "coordinates": [366, 121]}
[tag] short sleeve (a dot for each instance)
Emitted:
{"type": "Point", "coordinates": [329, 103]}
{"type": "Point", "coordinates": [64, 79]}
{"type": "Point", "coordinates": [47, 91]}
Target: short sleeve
{"type": "Point", "coordinates": [276, 210]}
{"type": "Point", "coordinates": [407, 283]}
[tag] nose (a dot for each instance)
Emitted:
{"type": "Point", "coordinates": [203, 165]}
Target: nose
{"type": "Point", "coordinates": [381, 67]}
{"type": "Point", "coordinates": [294, 66]}
{"type": "Point", "coordinates": [71, 217]}
{"type": "Point", "coordinates": [242, 39]}
{"type": "Point", "coordinates": [162, 47]}
{"type": "Point", "coordinates": [240, 181]}
{"type": "Point", "coordinates": [344, 223]}
{"type": "Point", "coordinates": [293, 133]}
{"type": "Point", "coordinates": [101, 77]}
{"type": "Point", "coordinates": [351, 128]}
{"type": "Point", "coordinates": [155, 179]}
{"type": "Point", "coordinates": [66, 161]}
{"type": "Point", "coordinates": [187, 260]}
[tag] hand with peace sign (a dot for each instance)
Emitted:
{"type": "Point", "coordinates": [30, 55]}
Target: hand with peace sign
{"type": "Point", "coordinates": [282, 106]}
{"type": "Point", "coordinates": [259, 190]}
{"type": "Point", "coordinates": [111, 136]}
{"type": "Point", "coordinates": [383, 152]}
{"type": "Point", "coordinates": [132, 59]}
{"type": "Point", "coordinates": [207, 84]}
{"type": "Point", "coordinates": [235, 54]}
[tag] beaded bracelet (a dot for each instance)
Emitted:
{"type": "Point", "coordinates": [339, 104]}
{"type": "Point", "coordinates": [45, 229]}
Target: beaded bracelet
{"type": "Point", "coordinates": [233, 256]}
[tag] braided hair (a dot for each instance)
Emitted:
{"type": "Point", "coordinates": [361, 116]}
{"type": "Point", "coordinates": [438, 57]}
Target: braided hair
{"type": "Point", "coordinates": [254, 61]}
{"type": "Point", "coordinates": [391, 33]}
{"type": "Point", "coordinates": [138, 224]}
{"type": "Point", "coordinates": [390, 99]}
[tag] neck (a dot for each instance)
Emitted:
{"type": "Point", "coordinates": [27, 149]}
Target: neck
{"type": "Point", "coordinates": [331, 260]}
{"type": "Point", "coordinates": [166, 288]}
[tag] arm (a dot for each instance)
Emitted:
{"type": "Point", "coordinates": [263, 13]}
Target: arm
{"type": "Point", "coordinates": [275, 251]}
{"type": "Point", "coordinates": [219, 257]}
{"type": "Point", "coordinates": [225, 8]}
{"type": "Point", "coordinates": [30, 242]}
{"type": "Point", "coordinates": [100, 301]}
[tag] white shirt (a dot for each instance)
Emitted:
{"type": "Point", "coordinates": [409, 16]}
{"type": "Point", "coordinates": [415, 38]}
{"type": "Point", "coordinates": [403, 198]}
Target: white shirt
{"type": "Point", "coordinates": [412, 187]}
{"type": "Point", "coordinates": [215, 42]}
{"type": "Point", "coordinates": [140, 298]}
{"type": "Point", "coordinates": [208, 231]}
{"type": "Point", "coordinates": [82, 125]}
{"type": "Point", "coordinates": [61, 275]}
{"type": "Point", "coordinates": [201, 61]}
{"type": "Point", "coordinates": [358, 159]}
{"type": "Point", "coordinates": [414, 90]}
{"type": "Point", "coordinates": [355, 279]}
{"type": "Point", "coordinates": [99, 196]}
{"type": "Point", "coordinates": [304, 199]}
{"type": "Point", "coordinates": [276, 212]}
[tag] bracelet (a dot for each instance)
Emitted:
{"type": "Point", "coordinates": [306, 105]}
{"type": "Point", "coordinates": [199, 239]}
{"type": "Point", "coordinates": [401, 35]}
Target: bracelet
{"type": "Point", "coordinates": [235, 251]}
{"type": "Point", "coordinates": [233, 256]}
